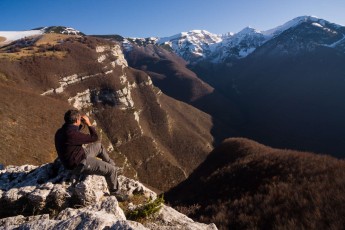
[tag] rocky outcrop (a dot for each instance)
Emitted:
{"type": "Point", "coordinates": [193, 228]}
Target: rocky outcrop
{"type": "Point", "coordinates": [50, 197]}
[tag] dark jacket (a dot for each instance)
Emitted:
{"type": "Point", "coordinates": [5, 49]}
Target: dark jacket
{"type": "Point", "coordinates": [68, 144]}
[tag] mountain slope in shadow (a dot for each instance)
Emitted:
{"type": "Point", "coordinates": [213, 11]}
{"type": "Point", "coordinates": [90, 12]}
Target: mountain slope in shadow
{"type": "Point", "coordinates": [244, 185]}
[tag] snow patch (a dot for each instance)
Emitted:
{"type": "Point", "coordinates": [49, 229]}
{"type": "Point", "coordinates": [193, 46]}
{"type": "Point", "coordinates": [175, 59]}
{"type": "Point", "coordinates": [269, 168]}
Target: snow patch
{"type": "Point", "coordinates": [292, 23]}
{"type": "Point", "coordinates": [15, 35]}
{"type": "Point", "coordinates": [317, 25]}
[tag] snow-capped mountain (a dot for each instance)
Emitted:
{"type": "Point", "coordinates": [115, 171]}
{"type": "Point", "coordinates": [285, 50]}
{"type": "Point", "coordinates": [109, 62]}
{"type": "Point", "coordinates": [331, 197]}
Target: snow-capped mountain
{"type": "Point", "coordinates": [9, 36]}
{"type": "Point", "coordinates": [198, 45]}
{"type": "Point", "coordinates": [192, 45]}
{"type": "Point", "coordinates": [295, 22]}
{"type": "Point", "coordinates": [303, 34]}
{"type": "Point", "coordinates": [238, 45]}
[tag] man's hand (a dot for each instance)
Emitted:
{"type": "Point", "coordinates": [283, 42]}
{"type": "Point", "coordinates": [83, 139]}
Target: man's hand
{"type": "Point", "coordinates": [86, 120]}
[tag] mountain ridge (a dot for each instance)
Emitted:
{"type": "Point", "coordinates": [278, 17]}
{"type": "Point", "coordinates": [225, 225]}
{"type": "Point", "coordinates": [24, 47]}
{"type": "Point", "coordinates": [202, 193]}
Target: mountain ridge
{"type": "Point", "coordinates": [198, 45]}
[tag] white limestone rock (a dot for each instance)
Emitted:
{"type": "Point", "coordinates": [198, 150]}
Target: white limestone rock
{"type": "Point", "coordinates": [132, 187]}
{"type": "Point", "coordinates": [127, 225]}
{"type": "Point", "coordinates": [81, 100]}
{"type": "Point", "coordinates": [101, 58]}
{"type": "Point", "coordinates": [12, 195]}
{"type": "Point", "coordinates": [16, 221]}
{"type": "Point", "coordinates": [170, 219]}
{"type": "Point", "coordinates": [77, 202]}
{"type": "Point", "coordinates": [91, 190]}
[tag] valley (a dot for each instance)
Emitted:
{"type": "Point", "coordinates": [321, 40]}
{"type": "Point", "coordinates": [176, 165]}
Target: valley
{"type": "Point", "coordinates": [244, 130]}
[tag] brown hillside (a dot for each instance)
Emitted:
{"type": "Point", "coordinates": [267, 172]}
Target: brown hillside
{"type": "Point", "coordinates": [146, 132]}
{"type": "Point", "coordinates": [246, 185]}
{"type": "Point", "coordinates": [28, 123]}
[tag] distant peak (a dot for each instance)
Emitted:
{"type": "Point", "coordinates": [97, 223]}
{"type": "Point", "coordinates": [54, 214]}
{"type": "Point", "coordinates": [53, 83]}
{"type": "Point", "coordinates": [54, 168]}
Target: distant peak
{"type": "Point", "coordinates": [199, 31]}
{"type": "Point", "coordinates": [306, 18]}
{"type": "Point", "coordinates": [193, 36]}
{"type": "Point", "coordinates": [248, 30]}
{"type": "Point", "coordinates": [61, 30]}
{"type": "Point", "coordinates": [292, 23]}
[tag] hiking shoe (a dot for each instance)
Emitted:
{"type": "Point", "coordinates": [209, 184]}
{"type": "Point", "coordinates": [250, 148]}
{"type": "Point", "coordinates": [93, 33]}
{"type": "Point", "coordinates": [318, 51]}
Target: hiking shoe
{"type": "Point", "coordinates": [119, 196]}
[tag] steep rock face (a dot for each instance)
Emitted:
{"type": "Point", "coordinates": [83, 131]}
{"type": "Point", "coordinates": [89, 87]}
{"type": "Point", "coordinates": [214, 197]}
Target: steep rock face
{"type": "Point", "coordinates": [170, 73]}
{"type": "Point", "coordinates": [49, 197]}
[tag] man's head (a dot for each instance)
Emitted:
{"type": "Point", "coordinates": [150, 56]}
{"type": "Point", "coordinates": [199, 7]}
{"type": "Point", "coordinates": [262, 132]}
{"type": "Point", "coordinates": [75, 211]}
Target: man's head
{"type": "Point", "coordinates": [72, 116]}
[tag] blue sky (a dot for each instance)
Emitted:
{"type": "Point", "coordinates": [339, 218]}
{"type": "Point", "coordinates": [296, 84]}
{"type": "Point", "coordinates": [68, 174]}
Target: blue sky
{"type": "Point", "coordinates": [139, 18]}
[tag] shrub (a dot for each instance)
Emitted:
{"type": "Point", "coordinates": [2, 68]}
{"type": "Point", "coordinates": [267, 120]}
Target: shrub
{"type": "Point", "coordinates": [146, 210]}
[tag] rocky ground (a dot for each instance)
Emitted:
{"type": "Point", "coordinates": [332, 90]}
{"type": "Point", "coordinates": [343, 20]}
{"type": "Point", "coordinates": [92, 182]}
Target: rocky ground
{"type": "Point", "coordinates": [50, 197]}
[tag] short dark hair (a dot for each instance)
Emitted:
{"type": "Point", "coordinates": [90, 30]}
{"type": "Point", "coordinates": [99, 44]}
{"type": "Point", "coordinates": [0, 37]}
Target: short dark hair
{"type": "Point", "coordinates": [71, 116]}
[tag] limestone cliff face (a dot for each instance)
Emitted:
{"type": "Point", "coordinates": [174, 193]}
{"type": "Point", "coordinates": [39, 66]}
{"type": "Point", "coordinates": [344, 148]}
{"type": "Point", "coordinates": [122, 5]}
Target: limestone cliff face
{"type": "Point", "coordinates": [49, 197]}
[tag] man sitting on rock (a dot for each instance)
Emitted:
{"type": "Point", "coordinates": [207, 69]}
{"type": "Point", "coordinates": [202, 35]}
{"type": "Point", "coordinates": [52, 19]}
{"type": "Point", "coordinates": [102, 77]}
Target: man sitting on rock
{"type": "Point", "coordinates": [82, 160]}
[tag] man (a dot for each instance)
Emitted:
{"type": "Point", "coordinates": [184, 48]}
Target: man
{"type": "Point", "coordinates": [82, 160]}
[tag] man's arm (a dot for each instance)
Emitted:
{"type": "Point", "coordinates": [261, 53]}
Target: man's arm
{"type": "Point", "coordinates": [79, 138]}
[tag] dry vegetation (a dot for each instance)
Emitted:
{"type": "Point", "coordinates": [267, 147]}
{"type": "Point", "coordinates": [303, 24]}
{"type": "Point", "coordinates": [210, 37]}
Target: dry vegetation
{"type": "Point", "coordinates": [245, 185]}
{"type": "Point", "coordinates": [171, 145]}
{"type": "Point", "coordinates": [28, 123]}
{"type": "Point", "coordinates": [54, 39]}
{"type": "Point", "coordinates": [32, 46]}
{"type": "Point", "coordinates": [42, 71]}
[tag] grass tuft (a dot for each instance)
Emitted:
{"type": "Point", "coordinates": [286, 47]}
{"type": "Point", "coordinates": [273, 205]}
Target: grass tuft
{"type": "Point", "coordinates": [146, 210]}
